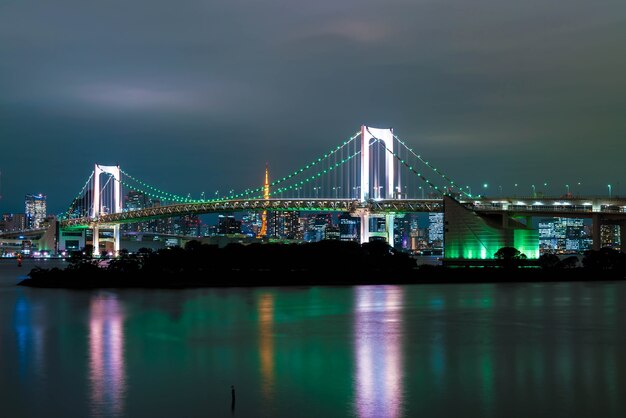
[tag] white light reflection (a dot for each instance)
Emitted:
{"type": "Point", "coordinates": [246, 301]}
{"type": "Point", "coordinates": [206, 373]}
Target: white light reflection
{"type": "Point", "coordinates": [378, 351]}
{"type": "Point", "coordinates": [106, 356]}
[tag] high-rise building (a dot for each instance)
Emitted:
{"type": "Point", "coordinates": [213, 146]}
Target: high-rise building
{"type": "Point", "coordinates": [609, 236]}
{"type": "Point", "coordinates": [251, 224]}
{"type": "Point", "coordinates": [283, 224]}
{"type": "Point", "coordinates": [349, 227]}
{"type": "Point", "coordinates": [136, 200]}
{"type": "Point", "coordinates": [187, 225]}
{"type": "Point", "coordinates": [12, 222]}
{"type": "Point", "coordinates": [228, 225]}
{"type": "Point", "coordinates": [402, 228]}
{"type": "Point", "coordinates": [316, 226]}
{"type": "Point", "coordinates": [332, 233]}
{"type": "Point", "coordinates": [435, 229]}
{"type": "Point", "coordinates": [35, 210]}
{"type": "Point", "coordinates": [558, 235]}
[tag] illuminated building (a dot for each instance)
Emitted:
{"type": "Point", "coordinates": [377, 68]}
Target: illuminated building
{"type": "Point", "coordinates": [188, 225]}
{"type": "Point", "coordinates": [610, 236]}
{"type": "Point", "coordinates": [332, 233]}
{"type": "Point", "coordinates": [316, 226]}
{"type": "Point", "coordinates": [470, 236]}
{"type": "Point", "coordinates": [435, 229]}
{"type": "Point", "coordinates": [35, 210]}
{"type": "Point", "coordinates": [283, 224]}
{"type": "Point", "coordinates": [12, 222]}
{"type": "Point", "coordinates": [136, 200]}
{"type": "Point", "coordinates": [349, 227]}
{"type": "Point", "coordinates": [403, 225]}
{"type": "Point", "coordinates": [251, 224]}
{"type": "Point", "coordinates": [557, 235]}
{"type": "Point", "coordinates": [228, 225]}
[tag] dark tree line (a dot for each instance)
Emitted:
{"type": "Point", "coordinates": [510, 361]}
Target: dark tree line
{"type": "Point", "coordinates": [237, 264]}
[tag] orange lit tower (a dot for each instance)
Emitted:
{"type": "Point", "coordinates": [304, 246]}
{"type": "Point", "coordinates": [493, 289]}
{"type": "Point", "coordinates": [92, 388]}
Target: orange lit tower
{"type": "Point", "coordinates": [266, 196]}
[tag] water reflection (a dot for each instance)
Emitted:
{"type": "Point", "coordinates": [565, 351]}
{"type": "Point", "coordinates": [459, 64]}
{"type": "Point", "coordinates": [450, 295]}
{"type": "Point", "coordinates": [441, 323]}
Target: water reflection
{"type": "Point", "coordinates": [107, 374]}
{"type": "Point", "coordinates": [266, 343]}
{"type": "Point", "coordinates": [378, 351]}
{"type": "Point", "coordinates": [28, 325]}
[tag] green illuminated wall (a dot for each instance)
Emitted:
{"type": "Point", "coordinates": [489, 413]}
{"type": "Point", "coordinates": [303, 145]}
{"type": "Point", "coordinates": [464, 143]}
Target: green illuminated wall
{"type": "Point", "coordinates": [470, 236]}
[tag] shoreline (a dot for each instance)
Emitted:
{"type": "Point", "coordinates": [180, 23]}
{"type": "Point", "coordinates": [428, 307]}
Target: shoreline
{"type": "Point", "coordinates": [433, 275]}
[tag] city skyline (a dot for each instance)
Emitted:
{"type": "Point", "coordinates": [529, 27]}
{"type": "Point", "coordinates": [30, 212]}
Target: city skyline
{"type": "Point", "coordinates": [490, 93]}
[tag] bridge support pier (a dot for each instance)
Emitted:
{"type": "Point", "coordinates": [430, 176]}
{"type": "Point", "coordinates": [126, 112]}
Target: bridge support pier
{"type": "Point", "coordinates": [366, 234]}
{"type": "Point", "coordinates": [96, 241]}
{"type": "Point", "coordinates": [365, 226]}
{"type": "Point", "coordinates": [389, 224]}
{"type": "Point", "coordinates": [595, 232]}
{"type": "Point", "coordinates": [116, 239]}
{"type": "Point", "coordinates": [622, 236]}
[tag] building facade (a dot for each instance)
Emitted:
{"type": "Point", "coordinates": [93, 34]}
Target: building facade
{"type": "Point", "coordinates": [35, 210]}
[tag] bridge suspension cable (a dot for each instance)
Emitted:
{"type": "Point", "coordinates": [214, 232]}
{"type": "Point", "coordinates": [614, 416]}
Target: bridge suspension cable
{"type": "Point", "coordinates": [441, 174]}
{"type": "Point", "coordinates": [316, 175]}
{"type": "Point", "coordinates": [313, 163]}
{"type": "Point", "coordinates": [71, 208]}
{"type": "Point", "coordinates": [161, 194]}
{"type": "Point", "coordinates": [406, 164]}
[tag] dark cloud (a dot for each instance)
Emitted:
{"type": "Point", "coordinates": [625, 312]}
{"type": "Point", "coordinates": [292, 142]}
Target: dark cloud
{"type": "Point", "coordinates": [196, 95]}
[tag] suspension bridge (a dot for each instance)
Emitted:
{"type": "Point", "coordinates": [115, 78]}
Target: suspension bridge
{"type": "Point", "coordinates": [372, 174]}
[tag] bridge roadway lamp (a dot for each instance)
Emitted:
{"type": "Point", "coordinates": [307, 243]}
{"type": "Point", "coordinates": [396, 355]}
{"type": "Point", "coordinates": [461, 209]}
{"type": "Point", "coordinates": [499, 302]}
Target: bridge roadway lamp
{"type": "Point", "coordinates": [609, 186]}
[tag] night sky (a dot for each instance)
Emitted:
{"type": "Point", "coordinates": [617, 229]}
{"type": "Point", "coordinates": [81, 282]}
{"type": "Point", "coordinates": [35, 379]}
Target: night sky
{"type": "Point", "coordinates": [195, 96]}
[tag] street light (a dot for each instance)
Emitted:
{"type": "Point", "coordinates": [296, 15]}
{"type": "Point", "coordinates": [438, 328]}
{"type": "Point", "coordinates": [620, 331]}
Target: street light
{"type": "Point", "coordinates": [420, 187]}
{"type": "Point", "coordinates": [500, 187]}
{"type": "Point", "coordinates": [609, 190]}
{"type": "Point", "coordinates": [534, 190]}
{"type": "Point", "coordinates": [567, 188]}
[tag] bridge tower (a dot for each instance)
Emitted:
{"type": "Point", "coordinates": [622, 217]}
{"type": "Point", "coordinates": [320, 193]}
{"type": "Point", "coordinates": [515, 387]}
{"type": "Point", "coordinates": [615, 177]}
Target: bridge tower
{"type": "Point", "coordinates": [385, 136]}
{"type": "Point", "coordinates": [97, 208]}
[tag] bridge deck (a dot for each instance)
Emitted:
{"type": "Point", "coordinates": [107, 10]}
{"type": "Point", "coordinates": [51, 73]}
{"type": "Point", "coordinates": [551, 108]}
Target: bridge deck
{"type": "Point", "coordinates": [548, 207]}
